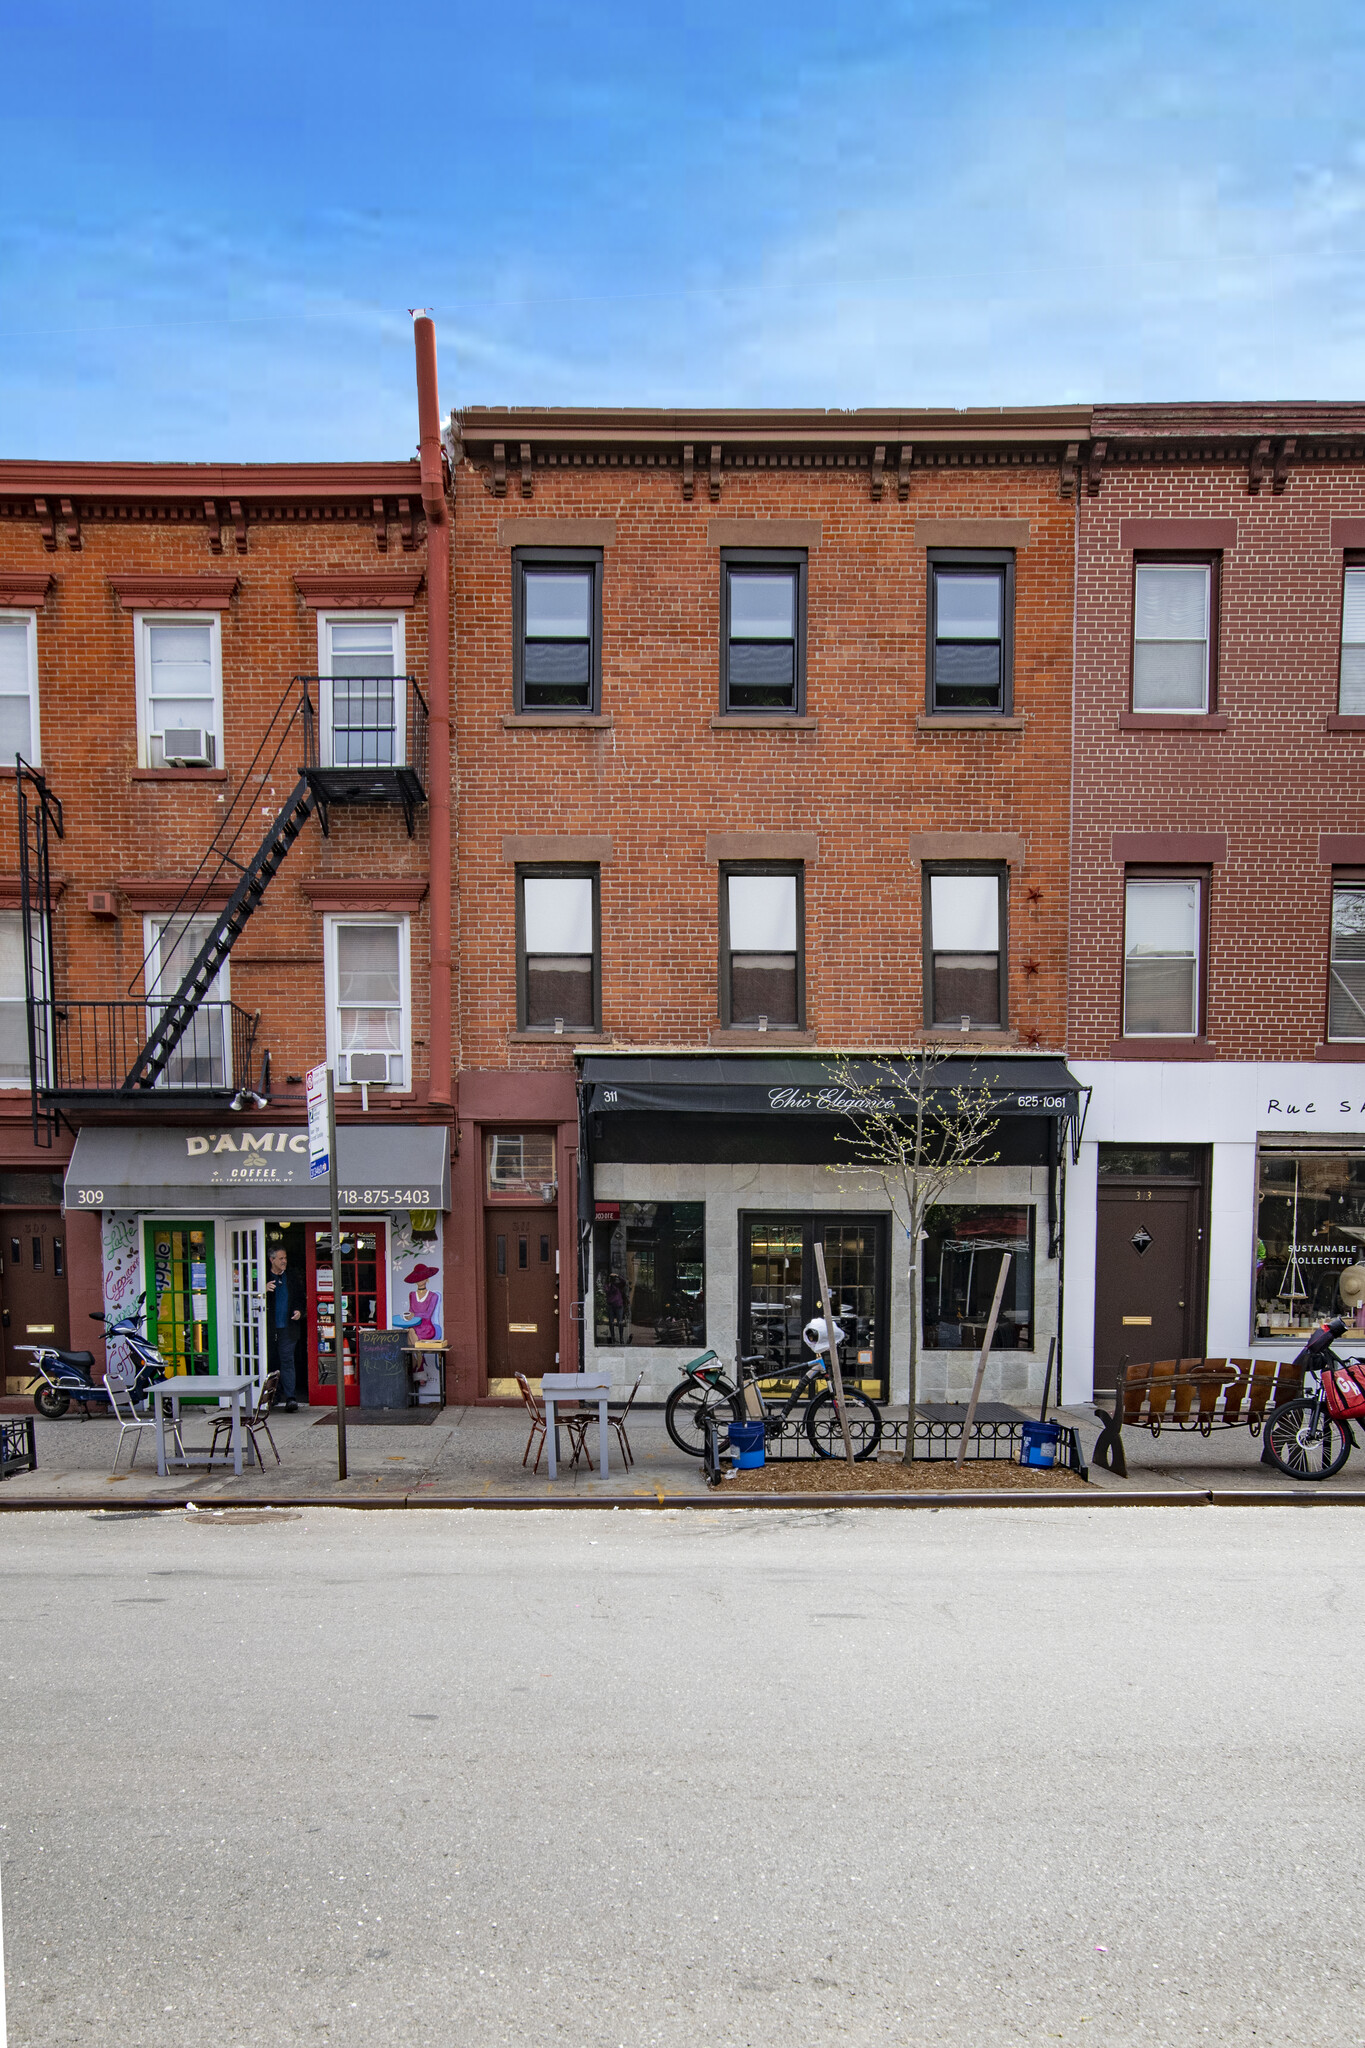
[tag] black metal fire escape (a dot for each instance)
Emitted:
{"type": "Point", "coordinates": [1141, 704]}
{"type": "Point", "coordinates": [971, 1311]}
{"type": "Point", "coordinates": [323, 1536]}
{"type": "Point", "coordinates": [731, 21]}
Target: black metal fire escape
{"type": "Point", "coordinates": [95, 1051]}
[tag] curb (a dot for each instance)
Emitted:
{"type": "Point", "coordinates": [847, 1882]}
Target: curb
{"type": "Point", "coordinates": [1188, 1497]}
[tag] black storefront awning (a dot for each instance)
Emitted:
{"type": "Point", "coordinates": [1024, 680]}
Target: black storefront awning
{"type": "Point", "coordinates": [180, 1171]}
{"type": "Point", "coordinates": [726, 1085]}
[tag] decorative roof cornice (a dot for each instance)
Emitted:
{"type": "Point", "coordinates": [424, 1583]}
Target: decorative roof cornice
{"type": "Point", "coordinates": [190, 483]}
{"type": "Point", "coordinates": [806, 427]}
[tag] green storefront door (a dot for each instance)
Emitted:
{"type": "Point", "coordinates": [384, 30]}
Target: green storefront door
{"type": "Point", "coordinates": [182, 1307]}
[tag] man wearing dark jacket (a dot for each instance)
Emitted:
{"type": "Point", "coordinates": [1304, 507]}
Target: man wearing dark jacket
{"type": "Point", "coordinates": [284, 1323]}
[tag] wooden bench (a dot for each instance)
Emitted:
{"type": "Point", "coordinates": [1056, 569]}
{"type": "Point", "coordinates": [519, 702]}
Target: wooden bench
{"type": "Point", "coordinates": [1187, 1394]}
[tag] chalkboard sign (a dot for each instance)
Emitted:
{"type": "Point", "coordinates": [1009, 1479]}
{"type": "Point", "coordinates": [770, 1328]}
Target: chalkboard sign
{"type": "Point", "coordinates": [384, 1376]}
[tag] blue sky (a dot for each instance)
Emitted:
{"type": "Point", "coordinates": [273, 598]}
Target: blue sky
{"type": "Point", "coordinates": [215, 219]}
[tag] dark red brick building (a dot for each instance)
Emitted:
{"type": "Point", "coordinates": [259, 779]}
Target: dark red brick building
{"type": "Point", "coordinates": [1218, 879]}
{"type": "Point", "coordinates": [764, 754]}
{"type": "Point", "coordinates": [178, 646]}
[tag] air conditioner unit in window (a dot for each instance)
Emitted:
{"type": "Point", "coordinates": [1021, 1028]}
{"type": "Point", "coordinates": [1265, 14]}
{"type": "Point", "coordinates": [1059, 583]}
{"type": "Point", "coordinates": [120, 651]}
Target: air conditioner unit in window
{"type": "Point", "coordinates": [373, 1068]}
{"type": "Point", "coordinates": [188, 746]}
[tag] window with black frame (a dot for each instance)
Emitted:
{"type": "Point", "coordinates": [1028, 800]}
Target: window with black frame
{"type": "Point", "coordinates": [964, 950]}
{"type": "Point", "coordinates": [763, 631]}
{"type": "Point", "coordinates": [558, 629]}
{"type": "Point", "coordinates": [971, 631]}
{"type": "Point", "coordinates": [762, 948]}
{"type": "Point", "coordinates": [963, 1250]}
{"type": "Point", "coordinates": [649, 1273]}
{"type": "Point", "coordinates": [558, 949]}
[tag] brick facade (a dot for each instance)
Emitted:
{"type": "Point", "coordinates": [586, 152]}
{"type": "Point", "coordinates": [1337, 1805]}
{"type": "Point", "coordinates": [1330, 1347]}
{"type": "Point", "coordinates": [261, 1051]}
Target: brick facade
{"type": "Point", "coordinates": [1273, 773]}
{"type": "Point", "coordinates": [862, 775]}
{"type": "Point", "coordinates": [75, 534]}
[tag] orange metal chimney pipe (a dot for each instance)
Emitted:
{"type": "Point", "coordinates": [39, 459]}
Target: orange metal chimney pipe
{"type": "Point", "coordinates": [438, 733]}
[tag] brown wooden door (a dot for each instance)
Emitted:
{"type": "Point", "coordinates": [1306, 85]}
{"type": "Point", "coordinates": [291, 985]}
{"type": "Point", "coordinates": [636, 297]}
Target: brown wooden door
{"type": "Point", "coordinates": [1149, 1293]}
{"type": "Point", "coordinates": [522, 1277]}
{"type": "Point", "coordinates": [35, 1311]}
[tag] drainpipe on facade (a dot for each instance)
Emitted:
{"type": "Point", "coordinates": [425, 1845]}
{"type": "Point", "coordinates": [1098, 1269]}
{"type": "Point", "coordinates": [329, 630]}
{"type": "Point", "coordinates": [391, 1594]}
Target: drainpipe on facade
{"type": "Point", "coordinates": [438, 730]}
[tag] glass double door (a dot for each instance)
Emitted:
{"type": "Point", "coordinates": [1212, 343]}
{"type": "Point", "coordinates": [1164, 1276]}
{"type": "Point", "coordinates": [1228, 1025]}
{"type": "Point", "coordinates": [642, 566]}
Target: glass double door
{"type": "Point", "coordinates": [780, 1291]}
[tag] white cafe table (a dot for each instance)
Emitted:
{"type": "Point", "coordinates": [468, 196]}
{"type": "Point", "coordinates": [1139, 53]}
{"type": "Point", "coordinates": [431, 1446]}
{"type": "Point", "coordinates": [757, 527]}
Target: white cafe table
{"type": "Point", "coordinates": [570, 1390]}
{"type": "Point", "coordinates": [185, 1386]}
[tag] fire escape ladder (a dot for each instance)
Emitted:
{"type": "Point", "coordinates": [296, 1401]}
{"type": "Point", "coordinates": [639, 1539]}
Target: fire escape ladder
{"type": "Point", "coordinates": [256, 876]}
{"type": "Point", "coordinates": [39, 813]}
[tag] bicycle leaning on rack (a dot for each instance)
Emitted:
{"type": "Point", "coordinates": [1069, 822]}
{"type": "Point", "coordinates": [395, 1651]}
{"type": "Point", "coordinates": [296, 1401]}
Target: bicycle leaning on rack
{"type": "Point", "coordinates": [709, 1399]}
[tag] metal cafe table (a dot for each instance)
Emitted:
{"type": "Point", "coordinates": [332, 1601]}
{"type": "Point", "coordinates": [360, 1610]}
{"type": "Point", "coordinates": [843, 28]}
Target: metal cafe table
{"type": "Point", "coordinates": [189, 1386]}
{"type": "Point", "coordinates": [570, 1389]}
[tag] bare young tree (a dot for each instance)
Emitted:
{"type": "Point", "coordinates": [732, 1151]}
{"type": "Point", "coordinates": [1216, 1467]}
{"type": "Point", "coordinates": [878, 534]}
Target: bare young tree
{"type": "Point", "coordinates": [905, 1130]}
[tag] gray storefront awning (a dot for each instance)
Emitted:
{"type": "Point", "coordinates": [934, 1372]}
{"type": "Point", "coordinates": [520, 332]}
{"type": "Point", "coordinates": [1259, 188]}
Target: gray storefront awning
{"type": "Point", "coordinates": [257, 1172]}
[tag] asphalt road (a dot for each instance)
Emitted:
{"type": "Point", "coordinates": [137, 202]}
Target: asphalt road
{"type": "Point", "coordinates": [735, 1778]}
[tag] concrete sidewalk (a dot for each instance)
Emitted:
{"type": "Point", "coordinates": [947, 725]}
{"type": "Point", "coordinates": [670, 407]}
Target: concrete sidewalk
{"type": "Point", "coordinates": [474, 1455]}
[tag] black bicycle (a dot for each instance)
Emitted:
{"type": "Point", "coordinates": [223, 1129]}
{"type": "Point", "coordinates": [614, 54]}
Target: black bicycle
{"type": "Point", "coordinates": [708, 1396]}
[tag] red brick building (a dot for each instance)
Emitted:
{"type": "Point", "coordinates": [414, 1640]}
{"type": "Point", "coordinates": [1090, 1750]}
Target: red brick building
{"type": "Point", "coordinates": [764, 753]}
{"type": "Point", "coordinates": [186, 652]}
{"type": "Point", "coordinates": [1218, 879]}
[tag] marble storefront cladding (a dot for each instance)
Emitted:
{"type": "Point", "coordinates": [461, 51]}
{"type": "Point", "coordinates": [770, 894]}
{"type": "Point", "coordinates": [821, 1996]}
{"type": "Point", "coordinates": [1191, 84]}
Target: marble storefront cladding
{"type": "Point", "coordinates": [728, 1189]}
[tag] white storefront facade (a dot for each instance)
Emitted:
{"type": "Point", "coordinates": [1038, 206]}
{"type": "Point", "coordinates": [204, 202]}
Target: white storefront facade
{"type": "Point", "coordinates": [1212, 1209]}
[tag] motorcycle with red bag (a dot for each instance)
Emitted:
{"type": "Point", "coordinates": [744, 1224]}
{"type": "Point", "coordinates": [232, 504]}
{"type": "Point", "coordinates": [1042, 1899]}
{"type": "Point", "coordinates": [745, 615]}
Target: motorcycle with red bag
{"type": "Point", "coordinates": [1311, 1437]}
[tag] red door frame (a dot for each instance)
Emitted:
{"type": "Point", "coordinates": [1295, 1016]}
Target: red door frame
{"type": "Point", "coordinates": [321, 1396]}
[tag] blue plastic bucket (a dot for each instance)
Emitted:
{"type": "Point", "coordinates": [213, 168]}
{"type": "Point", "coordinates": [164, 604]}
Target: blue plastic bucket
{"type": "Point", "coordinates": [747, 1439]}
{"type": "Point", "coordinates": [1039, 1443]}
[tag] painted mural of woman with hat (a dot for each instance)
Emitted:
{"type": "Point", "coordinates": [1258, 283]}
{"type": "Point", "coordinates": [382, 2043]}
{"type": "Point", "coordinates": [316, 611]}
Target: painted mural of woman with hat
{"type": "Point", "coordinates": [424, 1306]}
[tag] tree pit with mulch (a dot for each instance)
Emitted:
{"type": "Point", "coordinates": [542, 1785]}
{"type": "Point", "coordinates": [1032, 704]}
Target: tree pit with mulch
{"type": "Point", "coordinates": [889, 1475]}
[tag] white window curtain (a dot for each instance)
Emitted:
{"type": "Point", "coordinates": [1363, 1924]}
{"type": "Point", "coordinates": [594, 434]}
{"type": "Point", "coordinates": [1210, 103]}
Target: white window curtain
{"type": "Point", "coordinates": [1346, 987]}
{"type": "Point", "coordinates": [13, 1015]}
{"type": "Point", "coordinates": [181, 693]}
{"type": "Point", "coordinates": [1171, 637]}
{"type": "Point", "coordinates": [557, 916]}
{"type": "Point", "coordinates": [1352, 701]}
{"type": "Point", "coordinates": [202, 1058]}
{"type": "Point", "coordinates": [1161, 959]}
{"type": "Point", "coordinates": [369, 993]}
{"type": "Point", "coordinates": [18, 725]}
{"type": "Point", "coordinates": [364, 717]}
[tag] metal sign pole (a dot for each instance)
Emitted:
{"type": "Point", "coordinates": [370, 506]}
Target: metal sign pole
{"type": "Point", "coordinates": [836, 1377]}
{"type": "Point", "coordinates": [338, 1300]}
{"type": "Point", "coordinates": [322, 1160]}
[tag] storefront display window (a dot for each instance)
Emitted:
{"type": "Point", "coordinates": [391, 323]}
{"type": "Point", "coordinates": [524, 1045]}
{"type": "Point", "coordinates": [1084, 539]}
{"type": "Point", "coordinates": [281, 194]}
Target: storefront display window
{"type": "Point", "coordinates": [1310, 1225]}
{"type": "Point", "coordinates": [649, 1273]}
{"type": "Point", "coordinates": [962, 1254]}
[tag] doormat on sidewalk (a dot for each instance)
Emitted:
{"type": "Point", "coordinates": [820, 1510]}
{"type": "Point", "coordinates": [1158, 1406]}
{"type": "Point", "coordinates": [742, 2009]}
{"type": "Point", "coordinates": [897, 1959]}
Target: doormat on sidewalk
{"type": "Point", "coordinates": [384, 1418]}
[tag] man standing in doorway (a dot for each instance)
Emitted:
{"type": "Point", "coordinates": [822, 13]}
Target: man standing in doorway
{"type": "Point", "coordinates": [284, 1320]}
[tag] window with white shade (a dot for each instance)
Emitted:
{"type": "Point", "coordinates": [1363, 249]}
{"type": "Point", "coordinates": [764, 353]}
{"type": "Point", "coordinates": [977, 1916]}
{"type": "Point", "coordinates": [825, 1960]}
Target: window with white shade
{"type": "Point", "coordinates": [202, 1058]}
{"type": "Point", "coordinates": [1162, 944]}
{"type": "Point", "coordinates": [1346, 978]}
{"type": "Point", "coordinates": [180, 690]}
{"type": "Point", "coordinates": [363, 712]}
{"type": "Point", "coordinates": [971, 631]}
{"type": "Point", "coordinates": [964, 950]}
{"type": "Point", "coordinates": [13, 1009]}
{"type": "Point", "coordinates": [557, 634]}
{"type": "Point", "coordinates": [369, 1029]}
{"type": "Point", "coordinates": [763, 631]}
{"type": "Point", "coordinates": [1352, 698]}
{"type": "Point", "coordinates": [763, 949]}
{"type": "Point", "coordinates": [558, 946]}
{"type": "Point", "coordinates": [18, 687]}
{"type": "Point", "coordinates": [1171, 626]}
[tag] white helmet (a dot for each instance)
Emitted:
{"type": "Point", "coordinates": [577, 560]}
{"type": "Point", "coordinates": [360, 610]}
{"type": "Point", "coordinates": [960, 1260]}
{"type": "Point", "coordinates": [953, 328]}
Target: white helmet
{"type": "Point", "coordinates": [817, 1337]}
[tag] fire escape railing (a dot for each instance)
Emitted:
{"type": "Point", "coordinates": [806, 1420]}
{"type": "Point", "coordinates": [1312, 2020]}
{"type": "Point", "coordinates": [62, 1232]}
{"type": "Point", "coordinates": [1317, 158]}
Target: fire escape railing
{"type": "Point", "coordinates": [365, 742]}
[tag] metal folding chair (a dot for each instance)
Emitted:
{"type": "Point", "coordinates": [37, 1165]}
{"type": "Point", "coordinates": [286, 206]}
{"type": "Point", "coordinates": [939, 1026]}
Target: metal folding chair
{"type": "Point", "coordinates": [574, 1420]}
{"type": "Point", "coordinates": [257, 1419]}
